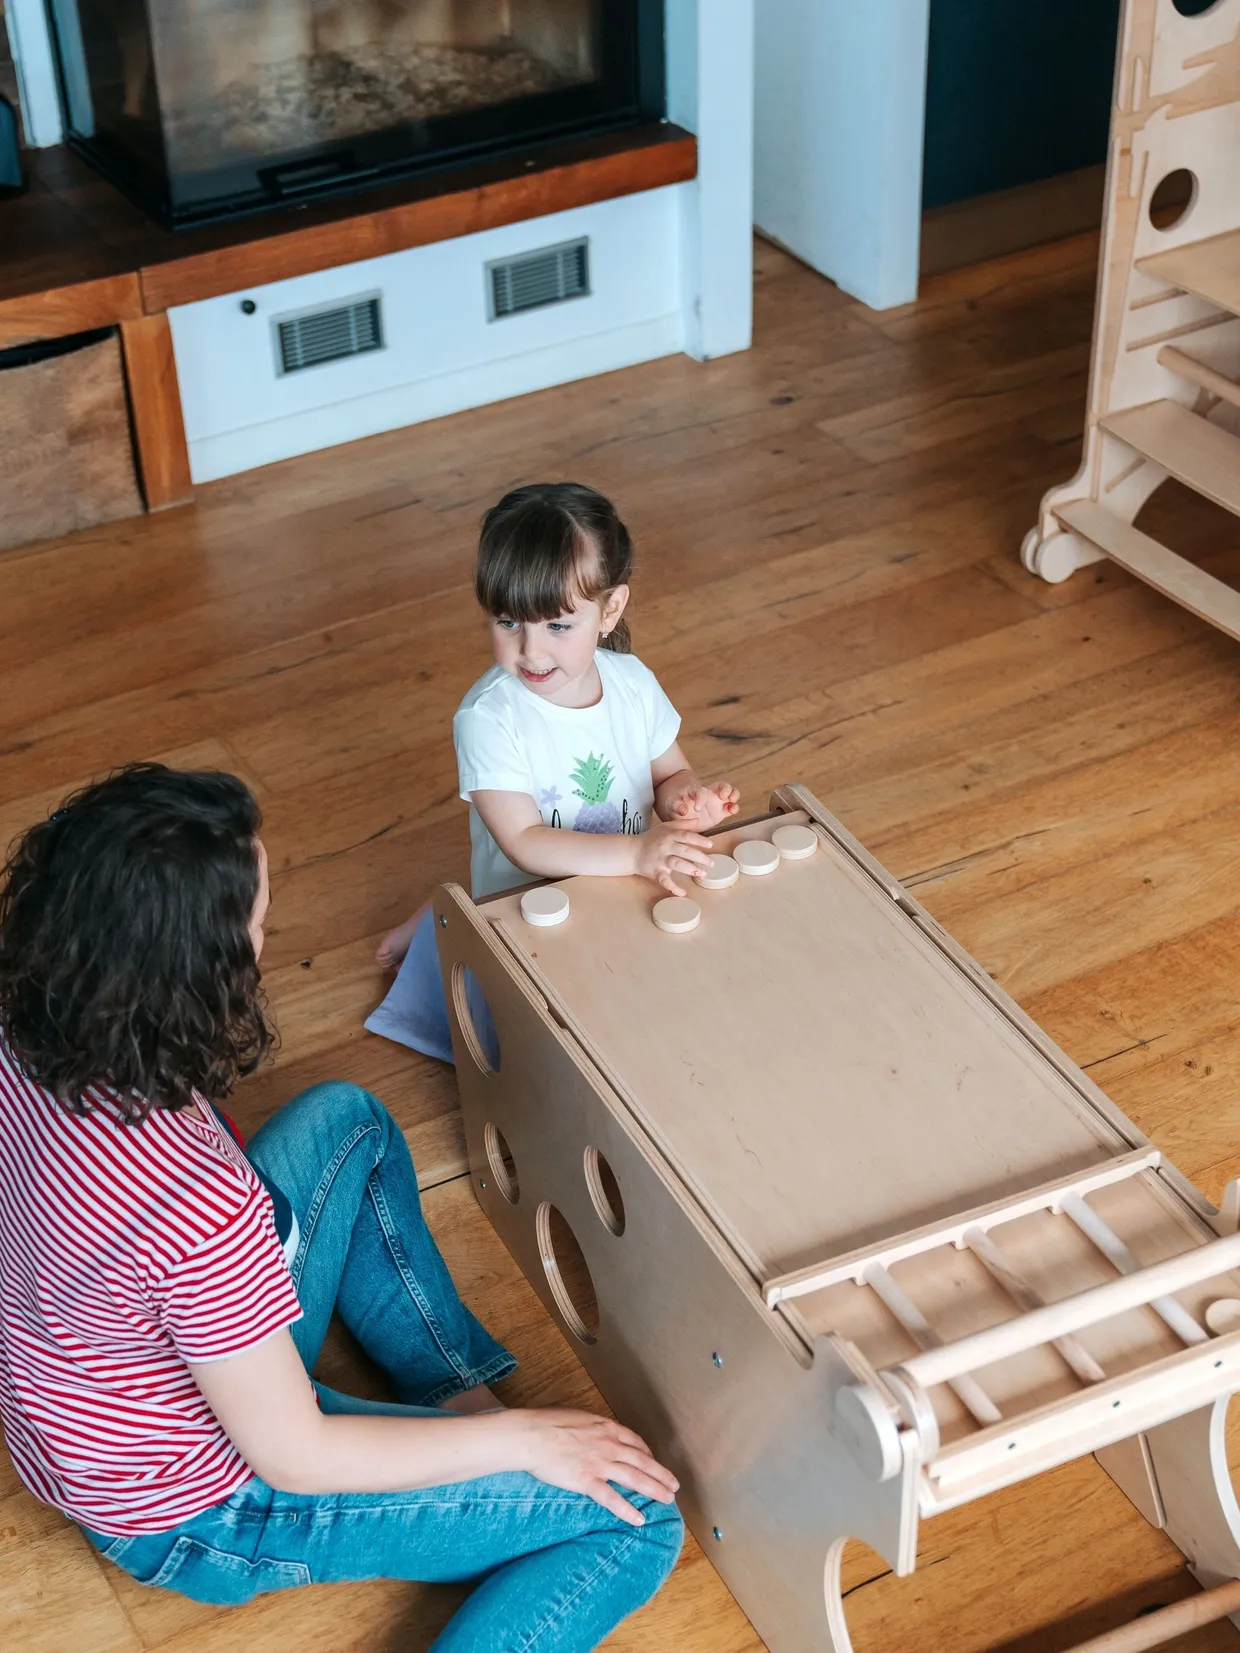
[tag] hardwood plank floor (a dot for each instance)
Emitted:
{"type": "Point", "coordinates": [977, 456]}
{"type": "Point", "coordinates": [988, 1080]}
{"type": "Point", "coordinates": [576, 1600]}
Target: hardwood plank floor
{"type": "Point", "coordinates": [827, 532]}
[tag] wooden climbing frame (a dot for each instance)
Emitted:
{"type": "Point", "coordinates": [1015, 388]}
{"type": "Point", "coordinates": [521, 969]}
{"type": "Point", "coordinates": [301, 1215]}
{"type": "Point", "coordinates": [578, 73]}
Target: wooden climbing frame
{"type": "Point", "coordinates": [1164, 393]}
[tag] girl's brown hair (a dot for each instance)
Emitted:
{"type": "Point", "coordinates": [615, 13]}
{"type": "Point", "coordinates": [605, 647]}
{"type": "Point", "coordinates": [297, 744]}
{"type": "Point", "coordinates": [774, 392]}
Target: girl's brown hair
{"type": "Point", "coordinates": [547, 544]}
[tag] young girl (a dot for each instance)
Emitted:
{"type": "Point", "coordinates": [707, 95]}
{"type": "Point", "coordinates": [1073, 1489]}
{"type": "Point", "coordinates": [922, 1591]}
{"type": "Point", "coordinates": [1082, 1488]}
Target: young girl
{"type": "Point", "coordinates": [567, 746]}
{"type": "Point", "coordinates": [164, 1293]}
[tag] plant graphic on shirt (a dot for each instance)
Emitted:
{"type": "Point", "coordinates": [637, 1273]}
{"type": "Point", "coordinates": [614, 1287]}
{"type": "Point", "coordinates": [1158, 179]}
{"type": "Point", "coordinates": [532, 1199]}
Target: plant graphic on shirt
{"type": "Point", "coordinates": [594, 777]}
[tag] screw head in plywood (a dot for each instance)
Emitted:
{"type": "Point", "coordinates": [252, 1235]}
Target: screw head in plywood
{"type": "Point", "coordinates": [544, 907]}
{"type": "Point", "coordinates": [676, 914]}
{"type": "Point", "coordinates": [795, 843]}
{"type": "Point", "coordinates": [1223, 1315]}
{"type": "Point", "coordinates": [756, 857]}
{"type": "Point", "coordinates": [722, 873]}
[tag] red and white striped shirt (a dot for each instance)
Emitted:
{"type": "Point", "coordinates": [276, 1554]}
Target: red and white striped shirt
{"type": "Point", "coordinates": [125, 1252]}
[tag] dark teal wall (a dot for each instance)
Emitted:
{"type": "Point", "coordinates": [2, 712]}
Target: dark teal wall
{"type": "Point", "coordinates": [1015, 90]}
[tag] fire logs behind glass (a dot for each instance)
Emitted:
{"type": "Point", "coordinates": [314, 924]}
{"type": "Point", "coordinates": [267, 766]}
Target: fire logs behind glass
{"type": "Point", "coordinates": [239, 79]}
{"type": "Point", "coordinates": [207, 107]}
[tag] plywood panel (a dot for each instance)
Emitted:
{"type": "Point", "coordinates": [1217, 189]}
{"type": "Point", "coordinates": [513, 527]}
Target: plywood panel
{"type": "Point", "coordinates": [1209, 268]}
{"type": "Point", "coordinates": [1201, 454]}
{"type": "Point", "coordinates": [863, 1087]}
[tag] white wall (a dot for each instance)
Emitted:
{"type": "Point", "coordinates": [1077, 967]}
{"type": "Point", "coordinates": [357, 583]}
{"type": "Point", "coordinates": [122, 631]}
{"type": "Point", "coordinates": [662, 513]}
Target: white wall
{"type": "Point", "coordinates": [442, 353]}
{"type": "Point", "coordinates": [31, 46]}
{"type": "Point", "coordinates": [710, 72]}
{"type": "Point", "coordinates": [840, 90]}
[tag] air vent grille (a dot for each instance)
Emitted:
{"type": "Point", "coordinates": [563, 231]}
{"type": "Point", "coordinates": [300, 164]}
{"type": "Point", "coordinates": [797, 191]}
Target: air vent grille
{"type": "Point", "coordinates": [319, 336]}
{"type": "Point", "coordinates": [549, 276]}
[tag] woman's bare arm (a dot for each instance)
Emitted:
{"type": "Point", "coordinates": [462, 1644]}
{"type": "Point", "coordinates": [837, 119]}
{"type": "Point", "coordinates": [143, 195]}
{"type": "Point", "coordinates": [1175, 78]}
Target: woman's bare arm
{"type": "Point", "coordinates": [266, 1405]}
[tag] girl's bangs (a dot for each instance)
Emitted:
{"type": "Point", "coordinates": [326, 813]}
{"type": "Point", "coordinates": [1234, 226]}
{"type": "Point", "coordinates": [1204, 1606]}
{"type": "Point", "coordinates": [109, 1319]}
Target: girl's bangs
{"type": "Point", "coordinates": [540, 581]}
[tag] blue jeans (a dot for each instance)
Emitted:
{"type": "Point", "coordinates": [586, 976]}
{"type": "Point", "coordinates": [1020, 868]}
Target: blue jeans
{"type": "Point", "coordinates": [553, 1570]}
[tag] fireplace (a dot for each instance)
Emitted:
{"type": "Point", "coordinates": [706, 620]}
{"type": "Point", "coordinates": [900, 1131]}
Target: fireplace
{"type": "Point", "coordinates": [206, 109]}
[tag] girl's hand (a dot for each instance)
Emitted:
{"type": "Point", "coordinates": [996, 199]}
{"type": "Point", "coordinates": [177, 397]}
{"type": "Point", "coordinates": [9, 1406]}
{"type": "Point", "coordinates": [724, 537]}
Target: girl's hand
{"type": "Point", "coordinates": [670, 847]}
{"type": "Point", "coordinates": [584, 1453]}
{"type": "Point", "coordinates": [707, 804]}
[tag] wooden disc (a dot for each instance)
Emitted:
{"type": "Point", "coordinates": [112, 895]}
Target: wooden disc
{"type": "Point", "coordinates": [676, 913]}
{"type": "Point", "coordinates": [1223, 1315]}
{"type": "Point", "coordinates": [544, 906]}
{"type": "Point", "coordinates": [755, 857]}
{"type": "Point", "coordinates": [723, 871]}
{"type": "Point", "coordinates": [795, 843]}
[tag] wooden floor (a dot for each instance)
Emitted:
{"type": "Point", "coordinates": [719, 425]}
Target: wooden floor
{"type": "Point", "coordinates": [827, 530]}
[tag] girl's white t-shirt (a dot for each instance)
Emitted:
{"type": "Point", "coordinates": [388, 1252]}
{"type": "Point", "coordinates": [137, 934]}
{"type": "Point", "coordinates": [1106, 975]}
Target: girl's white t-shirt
{"type": "Point", "coordinates": [587, 768]}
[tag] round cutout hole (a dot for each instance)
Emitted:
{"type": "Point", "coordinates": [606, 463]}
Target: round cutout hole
{"type": "Point", "coordinates": [474, 1014]}
{"type": "Point", "coordinates": [1194, 8]}
{"type": "Point", "coordinates": [503, 1166]}
{"type": "Point", "coordinates": [605, 1192]}
{"type": "Point", "coordinates": [567, 1274]}
{"type": "Point", "coordinates": [1173, 198]}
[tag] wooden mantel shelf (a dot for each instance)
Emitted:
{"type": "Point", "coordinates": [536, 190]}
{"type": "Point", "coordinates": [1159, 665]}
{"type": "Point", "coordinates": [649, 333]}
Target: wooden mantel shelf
{"type": "Point", "coordinates": [664, 155]}
{"type": "Point", "coordinates": [75, 254]}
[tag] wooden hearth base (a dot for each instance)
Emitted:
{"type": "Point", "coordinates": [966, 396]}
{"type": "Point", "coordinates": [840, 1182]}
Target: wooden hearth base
{"type": "Point", "coordinates": [75, 254]}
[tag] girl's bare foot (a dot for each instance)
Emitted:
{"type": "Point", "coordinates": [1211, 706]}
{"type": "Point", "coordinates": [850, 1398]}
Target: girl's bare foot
{"type": "Point", "coordinates": [395, 944]}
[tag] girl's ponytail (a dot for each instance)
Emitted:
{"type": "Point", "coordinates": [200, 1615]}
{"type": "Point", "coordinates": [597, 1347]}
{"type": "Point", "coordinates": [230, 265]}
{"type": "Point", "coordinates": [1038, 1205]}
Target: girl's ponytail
{"type": "Point", "coordinates": [619, 639]}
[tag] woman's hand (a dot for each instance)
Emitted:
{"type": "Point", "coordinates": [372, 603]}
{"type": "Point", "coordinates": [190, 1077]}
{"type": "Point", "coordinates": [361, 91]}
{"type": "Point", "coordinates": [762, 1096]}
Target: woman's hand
{"type": "Point", "coordinates": [670, 847]}
{"type": "Point", "coordinates": [584, 1453]}
{"type": "Point", "coordinates": [707, 805]}
{"type": "Point", "coordinates": [266, 1404]}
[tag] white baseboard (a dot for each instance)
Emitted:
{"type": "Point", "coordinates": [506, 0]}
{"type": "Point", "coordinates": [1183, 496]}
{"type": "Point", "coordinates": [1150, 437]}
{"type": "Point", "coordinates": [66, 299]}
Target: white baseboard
{"type": "Point", "coordinates": [389, 409]}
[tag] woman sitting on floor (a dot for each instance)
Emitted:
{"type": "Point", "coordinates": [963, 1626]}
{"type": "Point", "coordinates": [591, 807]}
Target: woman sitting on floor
{"type": "Point", "coordinates": [164, 1294]}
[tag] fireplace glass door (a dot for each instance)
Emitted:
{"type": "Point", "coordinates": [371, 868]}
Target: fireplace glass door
{"type": "Point", "coordinates": [204, 108]}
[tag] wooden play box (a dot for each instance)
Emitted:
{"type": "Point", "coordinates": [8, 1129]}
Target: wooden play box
{"type": "Point", "coordinates": [862, 1244]}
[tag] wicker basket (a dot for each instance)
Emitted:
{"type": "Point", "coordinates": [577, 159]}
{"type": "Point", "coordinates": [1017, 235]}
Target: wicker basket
{"type": "Point", "coordinates": [66, 455]}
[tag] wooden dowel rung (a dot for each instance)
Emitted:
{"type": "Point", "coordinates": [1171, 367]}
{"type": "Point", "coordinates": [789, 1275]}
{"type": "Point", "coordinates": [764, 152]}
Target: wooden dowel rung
{"type": "Point", "coordinates": [1072, 1314]}
{"type": "Point", "coordinates": [1156, 1629]}
{"type": "Point", "coordinates": [967, 1389]}
{"type": "Point", "coordinates": [985, 1249]}
{"type": "Point", "coordinates": [1172, 1313]}
{"type": "Point", "coordinates": [1197, 373]}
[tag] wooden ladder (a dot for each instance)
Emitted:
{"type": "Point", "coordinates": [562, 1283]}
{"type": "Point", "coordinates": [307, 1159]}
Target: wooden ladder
{"type": "Point", "coordinates": [1165, 373]}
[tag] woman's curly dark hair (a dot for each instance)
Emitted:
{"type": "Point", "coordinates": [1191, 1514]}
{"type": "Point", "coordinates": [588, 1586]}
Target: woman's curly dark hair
{"type": "Point", "coordinates": [125, 956]}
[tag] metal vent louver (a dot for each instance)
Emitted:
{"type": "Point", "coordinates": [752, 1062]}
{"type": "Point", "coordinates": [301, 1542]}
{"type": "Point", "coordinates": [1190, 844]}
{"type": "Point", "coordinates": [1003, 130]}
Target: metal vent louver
{"type": "Point", "coordinates": [329, 335]}
{"type": "Point", "coordinates": [549, 276]}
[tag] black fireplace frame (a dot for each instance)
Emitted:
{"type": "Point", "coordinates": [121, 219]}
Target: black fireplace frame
{"type": "Point", "coordinates": [633, 94]}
